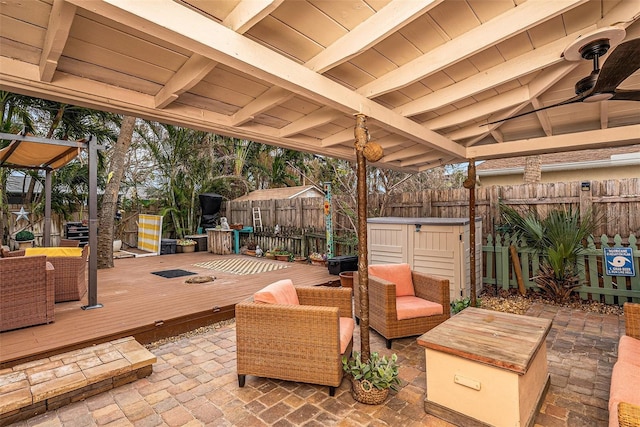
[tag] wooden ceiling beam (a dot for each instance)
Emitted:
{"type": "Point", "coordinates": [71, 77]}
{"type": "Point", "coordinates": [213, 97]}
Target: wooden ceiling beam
{"type": "Point", "coordinates": [427, 158]}
{"type": "Point", "coordinates": [218, 43]}
{"type": "Point", "coordinates": [270, 98]}
{"type": "Point", "coordinates": [404, 153]}
{"type": "Point", "coordinates": [380, 25]}
{"type": "Point", "coordinates": [508, 24]}
{"type": "Point", "coordinates": [604, 115]}
{"type": "Point", "coordinates": [60, 20]}
{"type": "Point", "coordinates": [543, 117]}
{"type": "Point", "coordinates": [190, 74]}
{"type": "Point", "coordinates": [317, 118]}
{"type": "Point", "coordinates": [601, 138]}
{"type": "Point", "coordinates": [544, 57]}
{"type": "Point", "coordinates": [248, 13]}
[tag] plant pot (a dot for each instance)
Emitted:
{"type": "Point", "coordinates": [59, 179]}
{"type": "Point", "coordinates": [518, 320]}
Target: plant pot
{"type": "Point", "coordinates": [364, 392]}
{"type": "Point", "coordinates": [282, 257]}
{"type": "Point", "coordinates": [300, 259]}
{"type": "Point", "coordinates": [269, 256]}
{"type": "Point", "coordinates": [117, 245]}
{"type": "Point", "coordinates": [346, 279]}
{"type": "Point", "coordinates": [250, 252]}
{"type": "Point", "coordinates": [187, 248]}
{"type": "Point", "coordinates": [24, 244]}
{"type": "Point", "coordinates": [321, 263]}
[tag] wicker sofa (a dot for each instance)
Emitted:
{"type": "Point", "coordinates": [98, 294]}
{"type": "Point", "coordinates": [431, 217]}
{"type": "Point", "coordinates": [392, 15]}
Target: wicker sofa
{"type": "Point", "coordinates": [26, 292]}
{"type": "Point", "coordinates": [70, 271]}
{"type": "Point", "coordinates": [624, 394]}
{"type": "Point", "coordinates": [385, 300]}
{"type": "Point", "coordinates": [295, 341]}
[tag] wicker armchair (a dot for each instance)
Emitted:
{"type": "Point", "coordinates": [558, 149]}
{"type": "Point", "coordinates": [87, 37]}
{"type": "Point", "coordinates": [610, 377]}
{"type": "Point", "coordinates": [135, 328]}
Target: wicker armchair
{"type": "Point", "coordinates": [26, 292]}
{"type": "Point", "coordinates": [295, 342]}
{"type": "Point", "coordinates": [4, 253]}
{"type": "Point", "coordinates": [383, 313]}
{"type": "Point", "coordinates": [69, 243]}
{"type": "Point", "coordinates": [70, 271]}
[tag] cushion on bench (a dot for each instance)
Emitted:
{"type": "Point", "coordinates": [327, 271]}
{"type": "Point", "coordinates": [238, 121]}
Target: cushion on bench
{"type": "Point", "coordinates": [625, 383]}
{"type": "Point", "coordinates": [629, 350]}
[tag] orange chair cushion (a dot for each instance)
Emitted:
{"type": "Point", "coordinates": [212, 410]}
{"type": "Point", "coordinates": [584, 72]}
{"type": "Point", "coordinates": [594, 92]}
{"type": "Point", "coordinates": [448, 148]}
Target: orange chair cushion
{"type": "Point", "coordinates": [410, 307]}
{"type": "Point", "coordinates": [629, 350]}
{"type": "Point", "coordinates": [280, 292]}
{"type": "Point", "coordinates": [400, 274]}
{"type": "Point", "coordinates": [346, 332]}
{"type": "Point", "coordinates": [625, 383]}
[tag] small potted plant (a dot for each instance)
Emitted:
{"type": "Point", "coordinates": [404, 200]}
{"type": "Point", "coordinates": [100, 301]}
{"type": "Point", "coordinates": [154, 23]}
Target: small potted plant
{"type": "Point", "coordinates": [282, 255]}
{"type": "Point", "coordinates": [318, 259]}
{"type": "Point", "coordinates": [186, 245]}
{"type": "Point", "coordinates": [251, 248]}
{"type": "Point", "coordinates": [25, 239]}
{"type": "Point", "coordinates": [371, 380]}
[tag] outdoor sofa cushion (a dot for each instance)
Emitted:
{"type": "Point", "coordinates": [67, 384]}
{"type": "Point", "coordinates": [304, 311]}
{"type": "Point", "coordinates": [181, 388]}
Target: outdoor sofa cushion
{"type": "Point", "coordinates": [280, 292]}
{"type": "Point", "coordinates": [400, 274]}
{"type": "Point", "coordinates": [410, 307]}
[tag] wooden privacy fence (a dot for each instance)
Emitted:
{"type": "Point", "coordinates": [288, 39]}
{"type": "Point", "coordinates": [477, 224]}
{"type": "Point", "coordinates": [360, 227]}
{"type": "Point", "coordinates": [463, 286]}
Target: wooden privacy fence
{"type": "Point", "coordinates": [498, 268]}
{"type": "Point", "coordinates": [618, 201]}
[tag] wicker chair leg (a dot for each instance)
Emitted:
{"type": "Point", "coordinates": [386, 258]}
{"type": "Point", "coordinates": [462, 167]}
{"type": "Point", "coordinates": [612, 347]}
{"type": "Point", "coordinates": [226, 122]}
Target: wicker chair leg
{"type": "Point", "coordinates": [332, 391]}
{"type": "Point", "coordinates": [388, 344]}
{"type": "Point", "coordinates": [241, 379]}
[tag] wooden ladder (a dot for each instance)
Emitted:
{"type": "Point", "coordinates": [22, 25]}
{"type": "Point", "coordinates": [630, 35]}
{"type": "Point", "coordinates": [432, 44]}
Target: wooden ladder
{"type": "Point", "coordinates": [257, 219]}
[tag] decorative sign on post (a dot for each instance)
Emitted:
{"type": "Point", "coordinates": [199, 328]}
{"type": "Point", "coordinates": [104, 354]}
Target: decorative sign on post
{"type": "Point", "coordinates": [619, 262]}
{"type": "Point", "coordinates": [328, 221]}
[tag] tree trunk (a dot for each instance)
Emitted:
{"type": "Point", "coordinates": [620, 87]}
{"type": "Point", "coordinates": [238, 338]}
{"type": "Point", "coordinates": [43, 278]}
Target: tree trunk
{"type": "Point", "coordinates": [109, 205]}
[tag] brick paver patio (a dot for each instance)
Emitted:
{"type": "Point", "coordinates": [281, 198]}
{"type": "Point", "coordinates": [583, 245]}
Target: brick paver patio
{"type": "Point", "coordinates": [194, 383]}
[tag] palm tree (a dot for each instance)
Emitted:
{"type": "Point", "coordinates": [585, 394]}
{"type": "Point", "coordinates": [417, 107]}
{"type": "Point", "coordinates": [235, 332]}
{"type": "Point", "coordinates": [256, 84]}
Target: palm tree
{"type": "Point", "coordinates": [558, 239]}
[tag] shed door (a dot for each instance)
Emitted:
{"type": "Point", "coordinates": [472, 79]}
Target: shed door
{"type": "Point", "coordinates": [387, 243]}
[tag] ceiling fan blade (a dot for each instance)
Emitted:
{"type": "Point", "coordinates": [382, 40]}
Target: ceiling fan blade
{"type": "Point", "coordinates": [626, 95]}
{"type": "Point", "coordinates": [621, 63]}
{"type": "Point", "coordinates": [577, 98]}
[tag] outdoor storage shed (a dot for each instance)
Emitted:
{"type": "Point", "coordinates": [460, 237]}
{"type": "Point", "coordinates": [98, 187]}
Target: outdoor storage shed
{"type": "Point", "coordinates": [438, 246]}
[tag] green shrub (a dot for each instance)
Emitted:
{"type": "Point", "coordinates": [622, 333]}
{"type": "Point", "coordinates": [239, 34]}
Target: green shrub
{"type": "Point", "coordinates": [458, 305]}
{"type": "Point", "coordinates": [24, 235]}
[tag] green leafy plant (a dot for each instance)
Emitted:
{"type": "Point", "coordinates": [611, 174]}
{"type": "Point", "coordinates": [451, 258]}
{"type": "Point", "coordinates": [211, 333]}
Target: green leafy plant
{"type": "Point", "coordinates": [186, 242]}
{"type": "Point", "coordinates": [458, 305]}
{"type": "Point", "coordinates": [24, 236]}
{"type": "Point", "coordinates": [379, 372]}
{"type": "Point", "coordinates": [558, 240]}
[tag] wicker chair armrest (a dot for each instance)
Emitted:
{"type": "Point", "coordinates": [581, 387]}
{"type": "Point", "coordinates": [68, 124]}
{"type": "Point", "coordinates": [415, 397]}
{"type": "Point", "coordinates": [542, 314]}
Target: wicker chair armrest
{"type": "Point", "coordinates": [9, 254]}
{"type": "Point", "coordinates": [628, 415]}
{"type": "Point", "coordinates": [285, 328]}
{"type": "Point", "coordinates": [325, 296]}
{"type": "Point", "coordinates": [431, 288]}
{"type": "Point", "coordinates": [632, 319]}
{"type": "Point", "coordinates": [383, 293]}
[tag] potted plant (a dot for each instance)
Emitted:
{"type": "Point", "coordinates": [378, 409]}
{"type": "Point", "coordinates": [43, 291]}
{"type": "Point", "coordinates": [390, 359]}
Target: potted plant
{"type": "Point", "coordinates": [269, 254]}
{"type": "Point", "coordinates": [282, 255]}
{"type": "Point", "coordinates": [186, 245]}
{"type": "Point", "coordinates": [251, 248]}
{"type": "Point", "coordinates": [318, 259]}
{"type": "Point", "coordinates": [372, 379]}
{"type": "Point", "coordinates": [25, 239]}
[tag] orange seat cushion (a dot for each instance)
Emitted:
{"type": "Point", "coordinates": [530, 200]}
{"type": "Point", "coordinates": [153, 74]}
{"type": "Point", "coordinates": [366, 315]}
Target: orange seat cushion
{"type": "Point", "coordinates": [629, 350]}
{"type": "Point", "coordinates": [280, 292]}
{"type": "Point", "coordinates": [410, 307]}
{"type": "Point", "coordinates": [400, 274]}
{"type": "Point", "coordinates": [346, 332]}
{"type": "Point", "coordinates": [625, 383]}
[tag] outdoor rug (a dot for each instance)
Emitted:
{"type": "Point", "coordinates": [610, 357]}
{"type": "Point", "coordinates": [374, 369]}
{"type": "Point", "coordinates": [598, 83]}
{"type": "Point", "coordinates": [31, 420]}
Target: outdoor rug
{"type": "Point", "coordinates": [169, 274]}
{"type": "Point", "coordinates": [242, 266]}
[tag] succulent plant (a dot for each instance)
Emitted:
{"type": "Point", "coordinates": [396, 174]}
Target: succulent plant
{"type": "Point", "coordinates": [380, 372]}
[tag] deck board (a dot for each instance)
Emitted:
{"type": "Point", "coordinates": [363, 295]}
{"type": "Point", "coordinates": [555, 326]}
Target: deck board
{"type": "Point", "coordinates": [136, 301]}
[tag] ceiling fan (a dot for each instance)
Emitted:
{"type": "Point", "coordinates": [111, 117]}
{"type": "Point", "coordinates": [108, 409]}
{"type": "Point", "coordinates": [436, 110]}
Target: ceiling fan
{"type": "Point", "coordinates": [602, 83]}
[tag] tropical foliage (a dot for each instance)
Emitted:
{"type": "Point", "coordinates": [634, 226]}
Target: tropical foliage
{"type": "Point", "coordinates": [558, 239]}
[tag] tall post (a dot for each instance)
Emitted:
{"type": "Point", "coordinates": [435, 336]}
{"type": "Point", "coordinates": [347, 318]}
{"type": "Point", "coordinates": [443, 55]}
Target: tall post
{"type": "Point", "coordinates": [362, 137]}
{"type": "Point", "coordinates": [93, 226]}
{"type": "Point", "coordinates": [470, 184]}
{"type": "Point", "coordinates": [328, 219]}
{"type": "Point", "coordinates": [47, 208]}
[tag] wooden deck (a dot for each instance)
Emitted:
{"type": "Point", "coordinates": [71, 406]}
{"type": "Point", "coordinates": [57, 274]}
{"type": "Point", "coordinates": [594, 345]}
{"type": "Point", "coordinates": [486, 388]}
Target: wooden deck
{"type": "Point", "coordinates": [147, 306]}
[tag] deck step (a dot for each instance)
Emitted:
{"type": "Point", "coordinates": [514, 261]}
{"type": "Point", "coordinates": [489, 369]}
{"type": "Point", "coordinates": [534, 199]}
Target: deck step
{"type": "Point", "coordinates": [46, 384]}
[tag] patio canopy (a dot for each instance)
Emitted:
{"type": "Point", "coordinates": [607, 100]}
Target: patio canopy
{"type": "Point", "coordinates": [31, 152]}
{"type": "Point", "coordinates": [430, 75]}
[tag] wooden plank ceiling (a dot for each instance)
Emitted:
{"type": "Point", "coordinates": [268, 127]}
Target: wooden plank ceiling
{"type": "Point", "coordinates": [428, 74]}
